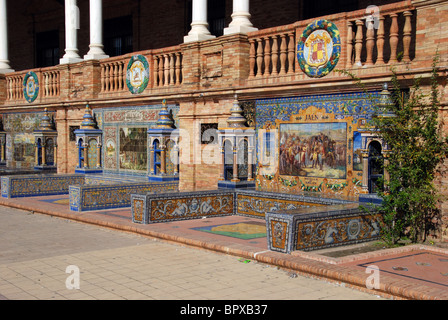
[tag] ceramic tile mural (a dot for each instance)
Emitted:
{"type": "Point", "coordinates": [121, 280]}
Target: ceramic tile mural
{"type": "Point", "coordinates": [313, 149]}
{"type": "Point", "coordinates": [311, 143]}
{"type": "Point", "coordinates": [92, 157]}
{"type": "Point", "coordinates": [125, 136]}
{"type": "Point", "coordinates": [133, 148]}
{"type": "Point", "coordinates": [20, 141]}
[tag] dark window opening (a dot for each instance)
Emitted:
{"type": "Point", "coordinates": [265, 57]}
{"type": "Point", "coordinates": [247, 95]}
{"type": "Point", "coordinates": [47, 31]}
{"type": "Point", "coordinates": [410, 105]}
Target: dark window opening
{"type": "Point", "coordinates": [47, 49]}
{"type": "Point", "coordinates": [318, 8]}
{"type": "Point", "coordinates": [209, 133]}
{"type": "Point", "coordinates": [216, 16]}
{"type": "Point", "coordinates": [376, 169]}
{"type": "Point", "coordinates": [72, 135]}
{"type": "Point", "coordinates": [188, 16]}
{"type": "Point", "coordinates": [118, 36]}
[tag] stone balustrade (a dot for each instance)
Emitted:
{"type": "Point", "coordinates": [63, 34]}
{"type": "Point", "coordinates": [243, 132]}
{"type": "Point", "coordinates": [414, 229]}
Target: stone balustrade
{"type": "Point", "coordinates": [113, 75]}
{"type": "Point", "coordinates": [167, 67]}
{"type": "Point", "coordinates": [51, 82]}
{"type": "Point", "coordinates": [379, 39]}
{"type": "Point", "coordinates": [14, 86]}
{"type": "Point", "coordinates": [262, 56]}
{"type": "Point", "coordinates": [48, 84]}
{"type": "Point", "coordinates": [272, 53]}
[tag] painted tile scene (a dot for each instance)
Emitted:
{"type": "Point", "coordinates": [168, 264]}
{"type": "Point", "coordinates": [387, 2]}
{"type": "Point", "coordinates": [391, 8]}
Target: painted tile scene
{"type": "Point", "coordinates": [306, 135]}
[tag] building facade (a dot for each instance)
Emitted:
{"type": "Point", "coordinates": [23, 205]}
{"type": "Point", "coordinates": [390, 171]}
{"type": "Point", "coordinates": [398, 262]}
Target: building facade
{"type": "Point", "coordinates": [280, 62]}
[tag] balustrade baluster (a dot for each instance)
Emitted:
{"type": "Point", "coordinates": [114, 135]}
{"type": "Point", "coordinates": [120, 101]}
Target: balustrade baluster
{"type": "Point", "coordinates": [380, 41]}
{"type": "Point", "coordinates": [9, 84]}
{"type": "Point", "coordinates": [171, 69]}
{"type": "Point", "coordinates": [283, 52]}
{"type": "Point", "coordinates": [15, 89]}
{"type": "Point", "coordinates": [115, 78]}
{"type": "Point", "coordinates": [291, 53]}
{"type": "Point", "coordinates": [167, 70]}
{"type": "Point", "coordinates": [370, 41]}
{"type": "Point", "coordinates": [358, 42]}
{"type": "Point", "coordinates": [111, 77]}
{"type": "Point", "coordinates": [161, 71]}
{"type": "Point", "coordinates": [393, 38]}
{"type": "Point", "coordinates": [252, 56]}
{"type": "Point", "coordinates": [57, 83]}
{"type": "Point", "coordinates": [274, 55]}
{"type": "Point", "coordinates": [407, 32]}
{"type": "Point", "coordinates": [259, 58]}
{"type": "Point", "coordinates": [46, 87]}
{"type": "Point", "coordinates": [267, 56]}
{"type": "Point", "coordinates": [103, 89]}
{"type": "Point", "coordinates": [120, 75]}
{"type": "Point", "coordinates": [349, 61]}
{"type": "Point", "coordinates": [52, 84]}
{"type": "Point", "coordinates": [109, 88]}
{"type": "Point", "coordinates": [50, 76]}
{"type": "Point", "coordinates": [178, 57]}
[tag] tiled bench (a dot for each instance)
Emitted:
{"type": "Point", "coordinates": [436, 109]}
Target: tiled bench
{"type": "Point", "coordinates": [96, 197]}
{"type": "Point", "coordinates": [152, 208]}
{"type": "Point", "coordinates": [38, 184]}
{"type": "Point", "coordinates": [321, 227]}
{"type": "Point", "coordinates": [293, 222]}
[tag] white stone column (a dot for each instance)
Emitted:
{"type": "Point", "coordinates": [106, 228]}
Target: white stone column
{"type": "Point", "coordinates": [4, 62]}
{"type": "Point", "coordinates": [71, 38]}
{"type": "Point", "coordinates": [240, 18]}
{"type": "Point", "coordinates": [199, 25]}
{"type": "Point", "coordinates": [96, 31]}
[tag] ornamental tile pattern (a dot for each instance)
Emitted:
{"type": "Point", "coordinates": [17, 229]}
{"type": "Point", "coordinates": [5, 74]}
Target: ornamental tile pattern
{"type": "Point", "coordinates": [111, 120]}
{"type": "Point", "coordinates": [322, 233]}
{"type": "Point", "coordinates": [38, 185]}
{"type": "Point", "coordinates": [92, 197]}
{"type": "Point", "coordinates": [277, 116]}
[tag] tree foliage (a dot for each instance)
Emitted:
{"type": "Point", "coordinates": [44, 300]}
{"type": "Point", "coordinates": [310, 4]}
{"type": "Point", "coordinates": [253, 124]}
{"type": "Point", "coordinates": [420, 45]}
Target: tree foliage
{"type": "Point", "coordinates": [418, 147]}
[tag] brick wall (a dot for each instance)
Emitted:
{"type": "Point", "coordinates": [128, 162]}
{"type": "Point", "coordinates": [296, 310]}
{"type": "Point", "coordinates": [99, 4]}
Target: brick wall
{"type": "Point", "coordinates": [212, 71]}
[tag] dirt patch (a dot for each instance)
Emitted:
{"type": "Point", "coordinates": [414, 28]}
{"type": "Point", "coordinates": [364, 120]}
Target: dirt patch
{"type": "Point", "coordinates": [352, 250]}
{"type": "Point", "coordinates": [344, 251]}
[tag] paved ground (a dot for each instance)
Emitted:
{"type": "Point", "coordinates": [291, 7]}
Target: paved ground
{"type": "Point", "coordinates": [412, 272]}
{"type": "Point", "coordinates": [39, 254]}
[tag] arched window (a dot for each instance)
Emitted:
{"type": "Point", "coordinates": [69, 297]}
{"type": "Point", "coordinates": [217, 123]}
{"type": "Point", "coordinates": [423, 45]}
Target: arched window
{"type": "Point", "coordinates": [228, 160]}
{"type": "Point", "coordinates": [376, 169]}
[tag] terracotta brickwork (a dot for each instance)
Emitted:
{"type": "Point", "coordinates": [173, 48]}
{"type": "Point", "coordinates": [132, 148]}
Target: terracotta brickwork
{"type": "Point", "coordinates": [203, 77]}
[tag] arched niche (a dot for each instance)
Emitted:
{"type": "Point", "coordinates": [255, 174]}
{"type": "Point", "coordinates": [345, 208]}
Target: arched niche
{"type": "Point", "coordinates": [375, 165]}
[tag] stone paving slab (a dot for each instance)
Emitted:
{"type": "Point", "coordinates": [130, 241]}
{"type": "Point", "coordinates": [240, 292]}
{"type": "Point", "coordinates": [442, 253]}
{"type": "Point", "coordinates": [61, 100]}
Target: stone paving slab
{"type": "Point", "coordinates": [425, 277]}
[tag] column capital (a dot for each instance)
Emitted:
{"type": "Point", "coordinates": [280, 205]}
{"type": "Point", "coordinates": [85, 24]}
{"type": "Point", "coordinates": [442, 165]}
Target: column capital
{"type": "Point", "coordinates": [240, 19]}
{"type": "Point", "coordinates": [199, 25]}
{"type": "Point", "coordinates": [71, 38]}
{"type": "Point", "coordinates": [96, 51]}
{"type": "Point", "coordinates": [4, 62]}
